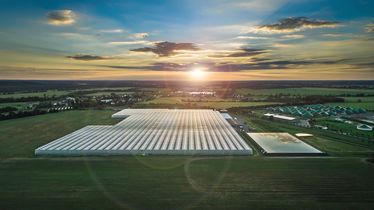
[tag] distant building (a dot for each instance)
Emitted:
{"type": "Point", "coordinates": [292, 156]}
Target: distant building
{"type": "Point", "coordinates": [321, 127]}
{"type": "Point", "coordinates": [70, 100]}
{"type": "Point", "coordinates": [202, 93]}
{"type": "Point", "coordinates": [280, 117]}
{"type": "Point", "coordinates": [302, 123]}
{"type": "Point", "coordinates": [364, 127]}
{"type": "Point", "coordinates": [304, 135]}
{"type": "Point", "coordinates": [106, 101]}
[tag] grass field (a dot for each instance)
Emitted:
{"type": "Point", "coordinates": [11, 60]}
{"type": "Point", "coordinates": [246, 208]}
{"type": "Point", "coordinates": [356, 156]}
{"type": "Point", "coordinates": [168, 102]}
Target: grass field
{"type": "Point", "coordinates": [186, 183]}
{"type": "Point", "coordinates": [18, 105]}
{"type": "Point", "coordinates": [19, 137]}
{"type": "Point", "coordinates": [57, 93]}
{"type": "Point", "coordinates": [48, 93]}
{"type": "Point", "coordinates": [155, 182]}
{"type": "Point", "coordinates": [345, 127]}
{"type": "Point", "coordinates": [304, 91]}
{"type": "Point", "coordinates": [355, 99]}
{"type": "Point", "coordinates": [365, 105]}
{"type": "Point", "coordinates": [100, 93]}
{"type": "Point", "coordinates": [164, 100]}
{"type": "Point", "coordinates": [210, 104]}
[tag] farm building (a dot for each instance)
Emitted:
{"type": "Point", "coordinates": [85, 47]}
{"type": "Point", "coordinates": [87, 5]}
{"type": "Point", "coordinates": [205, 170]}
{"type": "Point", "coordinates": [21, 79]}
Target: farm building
{"type": "Point", "coordinates": [315, 110]}
{"type": "Point", "coordinates": [283, 144]}
{"type": "Point", "coordinates": [154, 131]}
{"type": "Point", "coordinates": [364, 127]}
{"type": "Point", "coordinates": [280, 117]}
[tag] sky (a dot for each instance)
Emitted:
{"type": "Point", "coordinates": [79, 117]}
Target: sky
{"type": "Point", "coordinates": [187, 39]}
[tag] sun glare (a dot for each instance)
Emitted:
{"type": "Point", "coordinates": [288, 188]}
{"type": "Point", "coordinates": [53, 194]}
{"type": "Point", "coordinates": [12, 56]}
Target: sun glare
{"type": "Point", "coordinates": [197, 73]}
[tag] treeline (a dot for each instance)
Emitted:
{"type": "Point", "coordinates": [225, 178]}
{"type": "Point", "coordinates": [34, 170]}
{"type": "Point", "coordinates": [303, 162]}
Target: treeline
{"type": "Point", "coordinates": [26, 99]}
{"type": "Point", "coordinates": [8, 109]}
{"type": "Point", "coordinates": [20, 114]}
{"type": "Point", "coordinates": [312, 99]}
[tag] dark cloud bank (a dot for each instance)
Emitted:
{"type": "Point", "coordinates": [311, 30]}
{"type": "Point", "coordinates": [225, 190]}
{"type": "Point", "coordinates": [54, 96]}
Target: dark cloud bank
{"type": "Point", "coordinates": [86, 57]}
{"type": "Point", "coordinates": [164, 49]}
{"type": "Point", "coordinates": [296, 23]}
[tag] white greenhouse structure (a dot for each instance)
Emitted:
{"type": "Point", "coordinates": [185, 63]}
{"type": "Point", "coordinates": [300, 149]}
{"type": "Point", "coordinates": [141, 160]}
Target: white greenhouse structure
{"type": "Point", "coordinates": [154, 132]}
{"type": "Point", "coordinates": [283, 144]}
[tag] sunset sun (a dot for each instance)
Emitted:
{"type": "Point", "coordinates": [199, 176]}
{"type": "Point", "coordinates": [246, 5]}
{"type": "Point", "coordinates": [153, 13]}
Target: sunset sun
{"type": "Point", "coordinates": [197, 73]}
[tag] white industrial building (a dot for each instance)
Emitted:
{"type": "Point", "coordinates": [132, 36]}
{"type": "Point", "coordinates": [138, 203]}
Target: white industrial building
{"type": "Point", "coordinates": [154, 131]}
{"type": "Point", "coordinates": [283, 144]}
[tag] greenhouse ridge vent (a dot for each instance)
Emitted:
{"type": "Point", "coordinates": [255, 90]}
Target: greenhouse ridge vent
{"type": "Point", "coordinates": [154, 132]}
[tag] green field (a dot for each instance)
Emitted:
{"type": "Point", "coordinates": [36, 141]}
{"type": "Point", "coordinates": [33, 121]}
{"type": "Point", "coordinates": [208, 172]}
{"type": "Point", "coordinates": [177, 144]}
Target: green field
{"type": "Point", "coordinates": [58, 93]}
{"type": "Point", "coordinates": [345, 127]}
{"type": "Point", "coordinates": [210, 104]}
{"type": "Point", "coordinates": [164, 100]}
{"type": "Point", "coordinates": [356, 99]}
{"type": "Point", "coordinates": [19, 137]}
{"type": "Point", "coordinates": [357, 102]}
{"type": "Point", "coordinates": [18, 105]}
{"type": "Point", "coordinates": [48, 93]}
{"type": "Point", "coordinates": [101, 93]}
{"type": "Point", "coordinates": [186, 183]}
{"type": "Point", "coordinates": [303, 91]}
{"type": "Point", "coordinates": [365, 105]}
{"type": "Point", "coordinates": [155, 182]}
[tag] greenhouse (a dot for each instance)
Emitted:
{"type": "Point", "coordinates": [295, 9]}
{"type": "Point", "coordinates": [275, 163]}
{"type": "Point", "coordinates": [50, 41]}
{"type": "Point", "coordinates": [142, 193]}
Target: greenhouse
{"type": "Point", "coordinates": [151, 132]}
{"type": "Point", "coordinates": [282, 144]}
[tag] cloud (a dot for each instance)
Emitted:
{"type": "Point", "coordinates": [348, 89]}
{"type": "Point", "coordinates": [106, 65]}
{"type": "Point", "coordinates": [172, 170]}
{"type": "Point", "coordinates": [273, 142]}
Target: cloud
{"type": "Point", "coordinates": [142, 42]}
{"type": "Point", "coordinates": [293, 24]}
{"type": "Point", "coordinates": [293, 36]}
{"type": "Point", "coordinates": [369, 28]}
{"type": "Point", "coordinates": [247, 52]}
{"type": "Point", "coordinates": [365, 65]}
{"type": "Point", "coordinates": [139, 35]}
{"type": "Point", "coordinates": [252, 37]}
{"type": "Point", "coordinates": [87, 57]}
{"type": "Point", "coordinates": [118, 30]}
{"type": "Point", "coordinates": [61, 17]}
{"type": "Point", "coordinates": [165, 49]}
{"type": "Point", "coordinates": [77, 36]}
{"type": "Point", "coordinates": [281, 45]}
{"type": "Point", "coordinates": [334, 35]}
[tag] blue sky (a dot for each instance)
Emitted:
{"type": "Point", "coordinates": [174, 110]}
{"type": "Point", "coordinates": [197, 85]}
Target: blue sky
{"type": "Point", "coordinates": [228, 39]}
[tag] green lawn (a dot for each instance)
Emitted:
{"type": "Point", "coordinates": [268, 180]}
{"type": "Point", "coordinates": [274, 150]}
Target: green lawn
{"type": "Point", "coordinates": [303, 91]}
{"type": "Point", "coordinates": [19, 137]}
